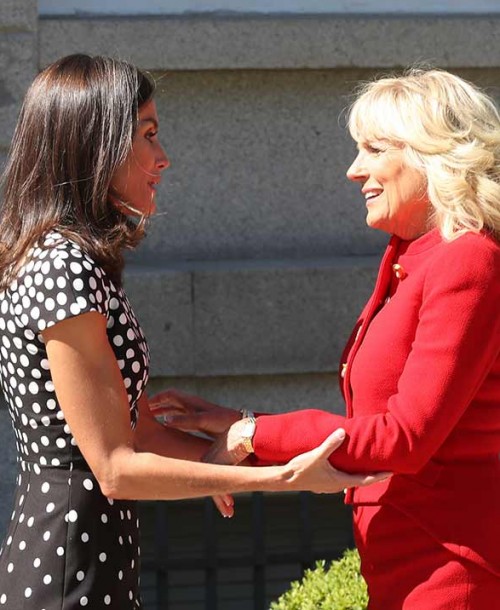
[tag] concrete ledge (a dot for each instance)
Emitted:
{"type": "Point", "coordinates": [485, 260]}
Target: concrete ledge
{"type": "Point", "coordinates": [266, 393]}
{"type": "Point", "coordinates": [216, 42]}
{"type": "Point", "coordinates": [249, 318]}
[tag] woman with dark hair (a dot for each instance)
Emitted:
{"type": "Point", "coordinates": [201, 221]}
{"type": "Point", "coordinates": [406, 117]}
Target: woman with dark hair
{"type": "Point", "coordinates": [84, 165]}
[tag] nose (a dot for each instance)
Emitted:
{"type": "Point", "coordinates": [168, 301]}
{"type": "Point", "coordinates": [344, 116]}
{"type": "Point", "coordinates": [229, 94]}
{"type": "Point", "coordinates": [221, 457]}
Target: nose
{"type": "Point", "coordinates": [357, 172]}
{"type": "Point", "coordinates": [162, 161]}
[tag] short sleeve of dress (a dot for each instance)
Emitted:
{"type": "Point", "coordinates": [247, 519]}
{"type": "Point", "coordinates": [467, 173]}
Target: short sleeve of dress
{"type": "Point", "coordinates": [61, 281]}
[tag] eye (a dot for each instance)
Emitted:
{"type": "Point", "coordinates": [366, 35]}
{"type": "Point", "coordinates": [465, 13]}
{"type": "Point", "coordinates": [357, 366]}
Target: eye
{"type": "Point", "coordinates": [374, 149]}
{"type": "Point", "coordinates": [152, 133]}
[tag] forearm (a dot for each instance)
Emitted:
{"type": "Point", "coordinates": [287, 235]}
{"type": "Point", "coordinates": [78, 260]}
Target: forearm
{"type": "Point", "coordinates": [153, 437]}
{"type": "Point", "coordinates": [147, 476]}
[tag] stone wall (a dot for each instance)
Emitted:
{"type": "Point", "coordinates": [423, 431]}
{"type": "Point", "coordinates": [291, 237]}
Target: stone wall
{"type": "Point", "coordinates": [259, 260]}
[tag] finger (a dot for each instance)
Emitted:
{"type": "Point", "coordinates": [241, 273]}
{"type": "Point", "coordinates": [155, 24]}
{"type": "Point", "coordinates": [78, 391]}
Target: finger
{"type": "Point", "coordinates": [225, 505]}
{"type": "Point", "coordinates": [361, 480]}
{"type": "Point", "coordinates": [182, 422]}
{"type": "Point", "coordinates": [332, 442]}
{"type": "Point", "coordinates": [375, 478]}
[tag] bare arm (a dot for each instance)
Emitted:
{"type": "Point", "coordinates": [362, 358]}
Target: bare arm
{"type": "Point", "coordinates": [92, 395]}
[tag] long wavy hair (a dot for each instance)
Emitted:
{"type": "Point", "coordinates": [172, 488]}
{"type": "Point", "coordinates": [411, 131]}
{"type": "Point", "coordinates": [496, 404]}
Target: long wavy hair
{"type": "Point", "coordinates": [450, 131]}
{"type": "Point", "coordinates": [75, 129]}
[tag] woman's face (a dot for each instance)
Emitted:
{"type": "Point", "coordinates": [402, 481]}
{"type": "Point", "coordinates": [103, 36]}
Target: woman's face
{"type": "Point", "coordinates": [395, 194]}
{"type": "Point", "coordinates": [134, 183]}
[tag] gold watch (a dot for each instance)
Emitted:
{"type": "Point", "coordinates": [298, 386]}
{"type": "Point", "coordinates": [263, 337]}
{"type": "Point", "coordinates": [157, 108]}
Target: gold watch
{"type": "Point", "coordinates": [247, 434]}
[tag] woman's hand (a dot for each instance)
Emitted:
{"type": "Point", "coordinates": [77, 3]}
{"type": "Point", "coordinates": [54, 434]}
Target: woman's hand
{"type": "Point", "coordinates": [189, 412]}
{"type": "Point", "coordinates": [309, 471]}
{"type": "Point", "coordinates": [312, 471]}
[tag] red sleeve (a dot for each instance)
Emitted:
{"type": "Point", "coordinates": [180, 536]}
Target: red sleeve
{"type": "Point", "coordinates": [455, 346]}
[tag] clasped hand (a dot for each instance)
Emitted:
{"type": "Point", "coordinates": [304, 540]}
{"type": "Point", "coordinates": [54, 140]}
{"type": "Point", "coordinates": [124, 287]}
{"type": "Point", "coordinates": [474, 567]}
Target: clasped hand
{"type": "Point", "coordinates": [312, 470]}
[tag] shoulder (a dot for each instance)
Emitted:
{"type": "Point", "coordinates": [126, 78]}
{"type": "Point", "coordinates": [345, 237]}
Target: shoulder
{"type": "Point", "coordinates": [469, 263]}
{"type": "Point", "coordinates": [59, 280]}
{"type": "Point", "coordinates": [468, 255]}
{"type": "Point", "coordinates": [55, 255]}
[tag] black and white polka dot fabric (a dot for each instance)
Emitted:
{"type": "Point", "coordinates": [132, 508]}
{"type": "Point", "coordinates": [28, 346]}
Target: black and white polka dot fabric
{"type": "Point", "coordinates": [67, 545]}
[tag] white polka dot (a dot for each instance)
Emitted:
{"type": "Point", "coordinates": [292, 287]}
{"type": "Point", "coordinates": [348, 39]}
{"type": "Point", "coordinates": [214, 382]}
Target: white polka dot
{"type": "Point", "coordinates": [102, 557]}
{"type": "Point", "coordinates": [30, 521]}
{"type": "Point", "coordinates": [107, 600]}
{"type": "Point", "coordinates": [72, 516]}
{"type": "Point", "coordinates": [104, 518]}
{"type": "Point", "coordinates": [76, 268]}
{"type": "Point", "coordinates": [47, 579]}
{"type": "Point", "coordinates": [84, 601]}
{"type": "Point", "coordinates": [3, 599]}
{"type": "Point", "coordinates": [22, 545]}
{"type": "Point", "coordinates": [130, 595]}
{"type": "Point", "coordinates": [10, 567]}
{"type": "Point", "coordinates": [50, 304]}
{"type": "Point", "coordinates": [51, 404]}
{"type": "Point", "coordinates": [80, 575]}
{"type": "Point", "coordinates": [78, 284]}
{"type": "Point", "coordinates": [87, 483]}
{"type": "Point", "coordinates": [45, 487]}
{"type": "Point", "coordinates": [37, 562]}
{"type": "Point", "coordinates": [55, 462]}
{"type": "Point", "coordinates": [85, 537]}
{"type": "Point", "coordinates": [50, 507]}
{"type": "Point", "coordinates": [61, 443]}
{"type": "Point", "coordinates": [46, 535]}
{"type": "Point", "coordinates": [61, 298]}
{"type": "Point", "coordinates": [120, 575]}
{"type": "Point", "coordinates": [118, 340]}
{"type": "Point", "coordinates": [28, 592]}
{"type": "Point", "coordinates": [60, 551]}
{"type": "Point", "coordinates": [45, 441]}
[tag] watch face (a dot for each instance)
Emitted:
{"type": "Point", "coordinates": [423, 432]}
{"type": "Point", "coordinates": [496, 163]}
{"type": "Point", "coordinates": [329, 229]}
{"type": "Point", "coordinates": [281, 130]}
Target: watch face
{"type": "Point", "coordinates": [249, 429]}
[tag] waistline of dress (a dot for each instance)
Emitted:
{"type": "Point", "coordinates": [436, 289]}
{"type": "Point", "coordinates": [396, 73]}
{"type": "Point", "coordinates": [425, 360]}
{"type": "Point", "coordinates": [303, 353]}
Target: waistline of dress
{"type": "Point", "coordinates": [55, 464]}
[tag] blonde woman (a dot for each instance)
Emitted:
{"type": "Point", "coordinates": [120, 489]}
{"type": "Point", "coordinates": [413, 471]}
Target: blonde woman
{"type": "Point", "coordinates": [421, 371]}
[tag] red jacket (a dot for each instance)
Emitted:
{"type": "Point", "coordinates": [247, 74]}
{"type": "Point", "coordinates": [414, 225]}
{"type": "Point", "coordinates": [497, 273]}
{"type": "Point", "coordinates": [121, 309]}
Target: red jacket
{"type": "Point", "coordinates": [421, 380]}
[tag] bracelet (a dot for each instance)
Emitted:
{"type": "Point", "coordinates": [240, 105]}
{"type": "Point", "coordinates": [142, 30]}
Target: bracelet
{"type": "Point", "coordinates": [247, 413]}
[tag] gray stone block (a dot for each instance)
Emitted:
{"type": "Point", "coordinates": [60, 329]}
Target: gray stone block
{"type": "Point", "coordinates": [18, 15]}
{"type": "Point", "coordinates": [243, 318]}
{"type": "Point", "coordinates": [258, 162]}
{"type": "Point", "coordinates": [277, 320]}
{"type": "Point", "coordinates": [280, 41]}
{"type": "Point", "coordinates": [8, 461]}
{"type": "Point", "coordinates": [17, 70]}
{"type": "Point", "coordinates": [162, 300]}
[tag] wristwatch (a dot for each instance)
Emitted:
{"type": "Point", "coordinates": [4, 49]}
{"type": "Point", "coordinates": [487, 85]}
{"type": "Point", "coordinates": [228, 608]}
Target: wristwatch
{"type": "Point", "coordinates": [247, 434]}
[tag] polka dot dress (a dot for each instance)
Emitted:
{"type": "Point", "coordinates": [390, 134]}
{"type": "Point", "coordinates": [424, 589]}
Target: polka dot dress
{"type": "Point", "coordinates": [67, 545]}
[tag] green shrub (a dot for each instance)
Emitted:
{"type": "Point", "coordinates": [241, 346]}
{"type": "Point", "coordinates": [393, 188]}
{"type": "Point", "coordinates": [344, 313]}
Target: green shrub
{"type": "Point", "coordinates": [337, 587]}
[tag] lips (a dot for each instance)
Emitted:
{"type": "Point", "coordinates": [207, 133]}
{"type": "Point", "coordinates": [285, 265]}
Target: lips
{"type": "Point", "coordinates": [371, 194]}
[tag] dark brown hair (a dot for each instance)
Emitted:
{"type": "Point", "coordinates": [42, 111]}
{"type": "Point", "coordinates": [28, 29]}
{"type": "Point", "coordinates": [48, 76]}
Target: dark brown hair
{"type": "Point", "coordinates": [74, 130]}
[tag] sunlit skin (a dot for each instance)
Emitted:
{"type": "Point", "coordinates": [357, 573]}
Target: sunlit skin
{"type": "Point", "coordinates": [395, 193]}
{"type": "Point", "coordinates": [135, 182]}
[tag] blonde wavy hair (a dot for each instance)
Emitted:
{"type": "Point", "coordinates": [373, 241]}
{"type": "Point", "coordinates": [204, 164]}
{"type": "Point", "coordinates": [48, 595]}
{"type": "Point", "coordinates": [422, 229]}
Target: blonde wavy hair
{"type": "Point", "coordinates": [450, 131]}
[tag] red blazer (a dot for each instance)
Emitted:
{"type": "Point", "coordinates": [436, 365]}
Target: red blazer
{"type": "Point", "coordinates": [421, 381]}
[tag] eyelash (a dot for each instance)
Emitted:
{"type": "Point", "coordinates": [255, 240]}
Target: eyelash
{"type": "Point", "coordinates": [374, 150]}
{"type": "Point", "coordinates": [151, 134]}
